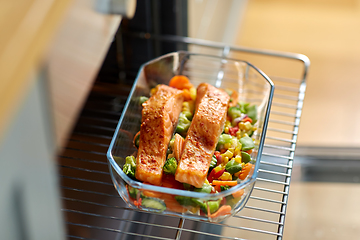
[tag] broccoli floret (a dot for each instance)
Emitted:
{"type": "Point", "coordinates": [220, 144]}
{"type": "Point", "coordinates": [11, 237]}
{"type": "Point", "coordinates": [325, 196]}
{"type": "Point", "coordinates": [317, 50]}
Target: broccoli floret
{"type": "Point", "coordinates": [130, 166]}
{"type": "Point", "coordinates": [224, 188]}
{"type": "Point", "coordinates": [143, 99]}
{"type": "Point", "coordinates": [130, 160]}
{"type": "Point", "coordinates": [170, 166]}
{"type": "Point", "coordinates": [183, 125]}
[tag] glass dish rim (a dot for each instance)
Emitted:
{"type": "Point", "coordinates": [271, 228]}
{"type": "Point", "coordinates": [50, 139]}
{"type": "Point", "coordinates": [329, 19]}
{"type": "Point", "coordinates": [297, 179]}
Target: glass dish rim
{"type": "Point", "coordinates": [143, 186]}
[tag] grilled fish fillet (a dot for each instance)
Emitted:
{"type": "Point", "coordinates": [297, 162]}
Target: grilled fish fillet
{"type": "Point", "coordinates": [205, 129]}
{"type": "Point", "coordinates": [159, 117]}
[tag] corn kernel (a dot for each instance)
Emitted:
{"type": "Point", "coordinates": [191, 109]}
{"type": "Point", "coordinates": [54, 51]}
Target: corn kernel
{"type": "Point", "coordinates": [228, 154]}
{"type": "Point", "coordinates": [227, 123]}
{"type": "Point", "coordinates": [218, 168]}
{"type": "Point", "coordinates": [192, 105]}
{"type": "Point", "coordinates": [226, 130]}
{"type": "Point", "coordinates": [225, 176]}
{"type": "Point", "coordinates": [194, 210]}
{"type": "Point", "coordinates": [232, 150]}
{"type": "Point", "coordinates": [227, 145]}
{"type": "Point", "coordinates": [193, 93]}
{"type": "Point", "coordinates": [238, 134]}
{"type": "Point", "coordinates": [185, 107]}
{"type": "Point", "coordinates": [152, 91]}
{"type": "Point", "coordinates": [207, 181]}
{"type": "Point", "coordinates": [241, 126]}
{"type": "Point", "coordinates": [247, 126]}
{"type": "Point", "coordinates": [225, 160]}
{"type": "Point", "coordinates": [238, 158]}
{"type": "Point", "coordinates": [237, 151]}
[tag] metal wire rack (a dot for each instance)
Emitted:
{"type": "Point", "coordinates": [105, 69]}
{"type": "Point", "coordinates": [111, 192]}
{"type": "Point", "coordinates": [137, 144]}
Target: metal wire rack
{"type": "Point", "coordinates": [91, 205]}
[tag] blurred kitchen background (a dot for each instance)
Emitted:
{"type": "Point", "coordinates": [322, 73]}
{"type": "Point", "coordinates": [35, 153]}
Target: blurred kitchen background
{"type": "Point", "coordinates": [324, 191]}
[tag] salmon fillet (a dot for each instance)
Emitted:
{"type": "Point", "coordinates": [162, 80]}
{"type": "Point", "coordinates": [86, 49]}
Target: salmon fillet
{"type": "Point", "coordinates": [159, 117]}
{"type": "Point", "coordinates": [205, 129]}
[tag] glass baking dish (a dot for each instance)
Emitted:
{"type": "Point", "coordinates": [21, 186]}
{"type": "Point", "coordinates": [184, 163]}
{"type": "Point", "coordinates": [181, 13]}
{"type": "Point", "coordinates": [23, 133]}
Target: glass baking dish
{"type": "Point", "coordinates": [253, 87]}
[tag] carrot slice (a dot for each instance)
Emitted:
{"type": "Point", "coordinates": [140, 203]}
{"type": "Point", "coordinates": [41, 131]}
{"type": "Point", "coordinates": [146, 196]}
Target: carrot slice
{"type": "Point", "coordinates": [247, 119]}
{"type": "Point", "coordinates": [152, 194]}
{"type": "Point", "coordinates": [238, 193]}
{"type": "Point", "coordinates": [187, 95]}
{"type": "Point", "coordinates": [245, 171]}
{"type": "Point", "coordinates": [224, 183]}
{"type": "Point", "coordinates": [172, 204]}
{"type": "Point", "coordinates": [180, 82]}
{"type": "Point", "coordinates": [137, 203]}
{"type": "Point", "coordinates": [223, 210]}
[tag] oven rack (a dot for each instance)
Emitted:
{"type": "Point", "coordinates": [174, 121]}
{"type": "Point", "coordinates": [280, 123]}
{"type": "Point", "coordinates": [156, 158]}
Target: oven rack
{"type": "Point", "coordinates": [92, 207]}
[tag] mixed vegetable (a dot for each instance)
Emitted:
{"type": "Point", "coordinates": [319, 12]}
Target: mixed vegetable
{"type": "Point", "coordinates": [230, 164]}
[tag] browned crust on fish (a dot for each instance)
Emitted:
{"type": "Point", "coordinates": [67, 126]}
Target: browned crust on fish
{"type": "Point", "coordinates": [159, 118]}
{"type": "Point", "coordinates": [205, 129]}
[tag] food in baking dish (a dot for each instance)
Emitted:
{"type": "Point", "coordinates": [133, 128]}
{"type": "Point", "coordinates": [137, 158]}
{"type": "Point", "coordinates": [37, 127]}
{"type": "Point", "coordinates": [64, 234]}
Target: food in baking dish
{"type": "Point", "coordinates": [192, 139]}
